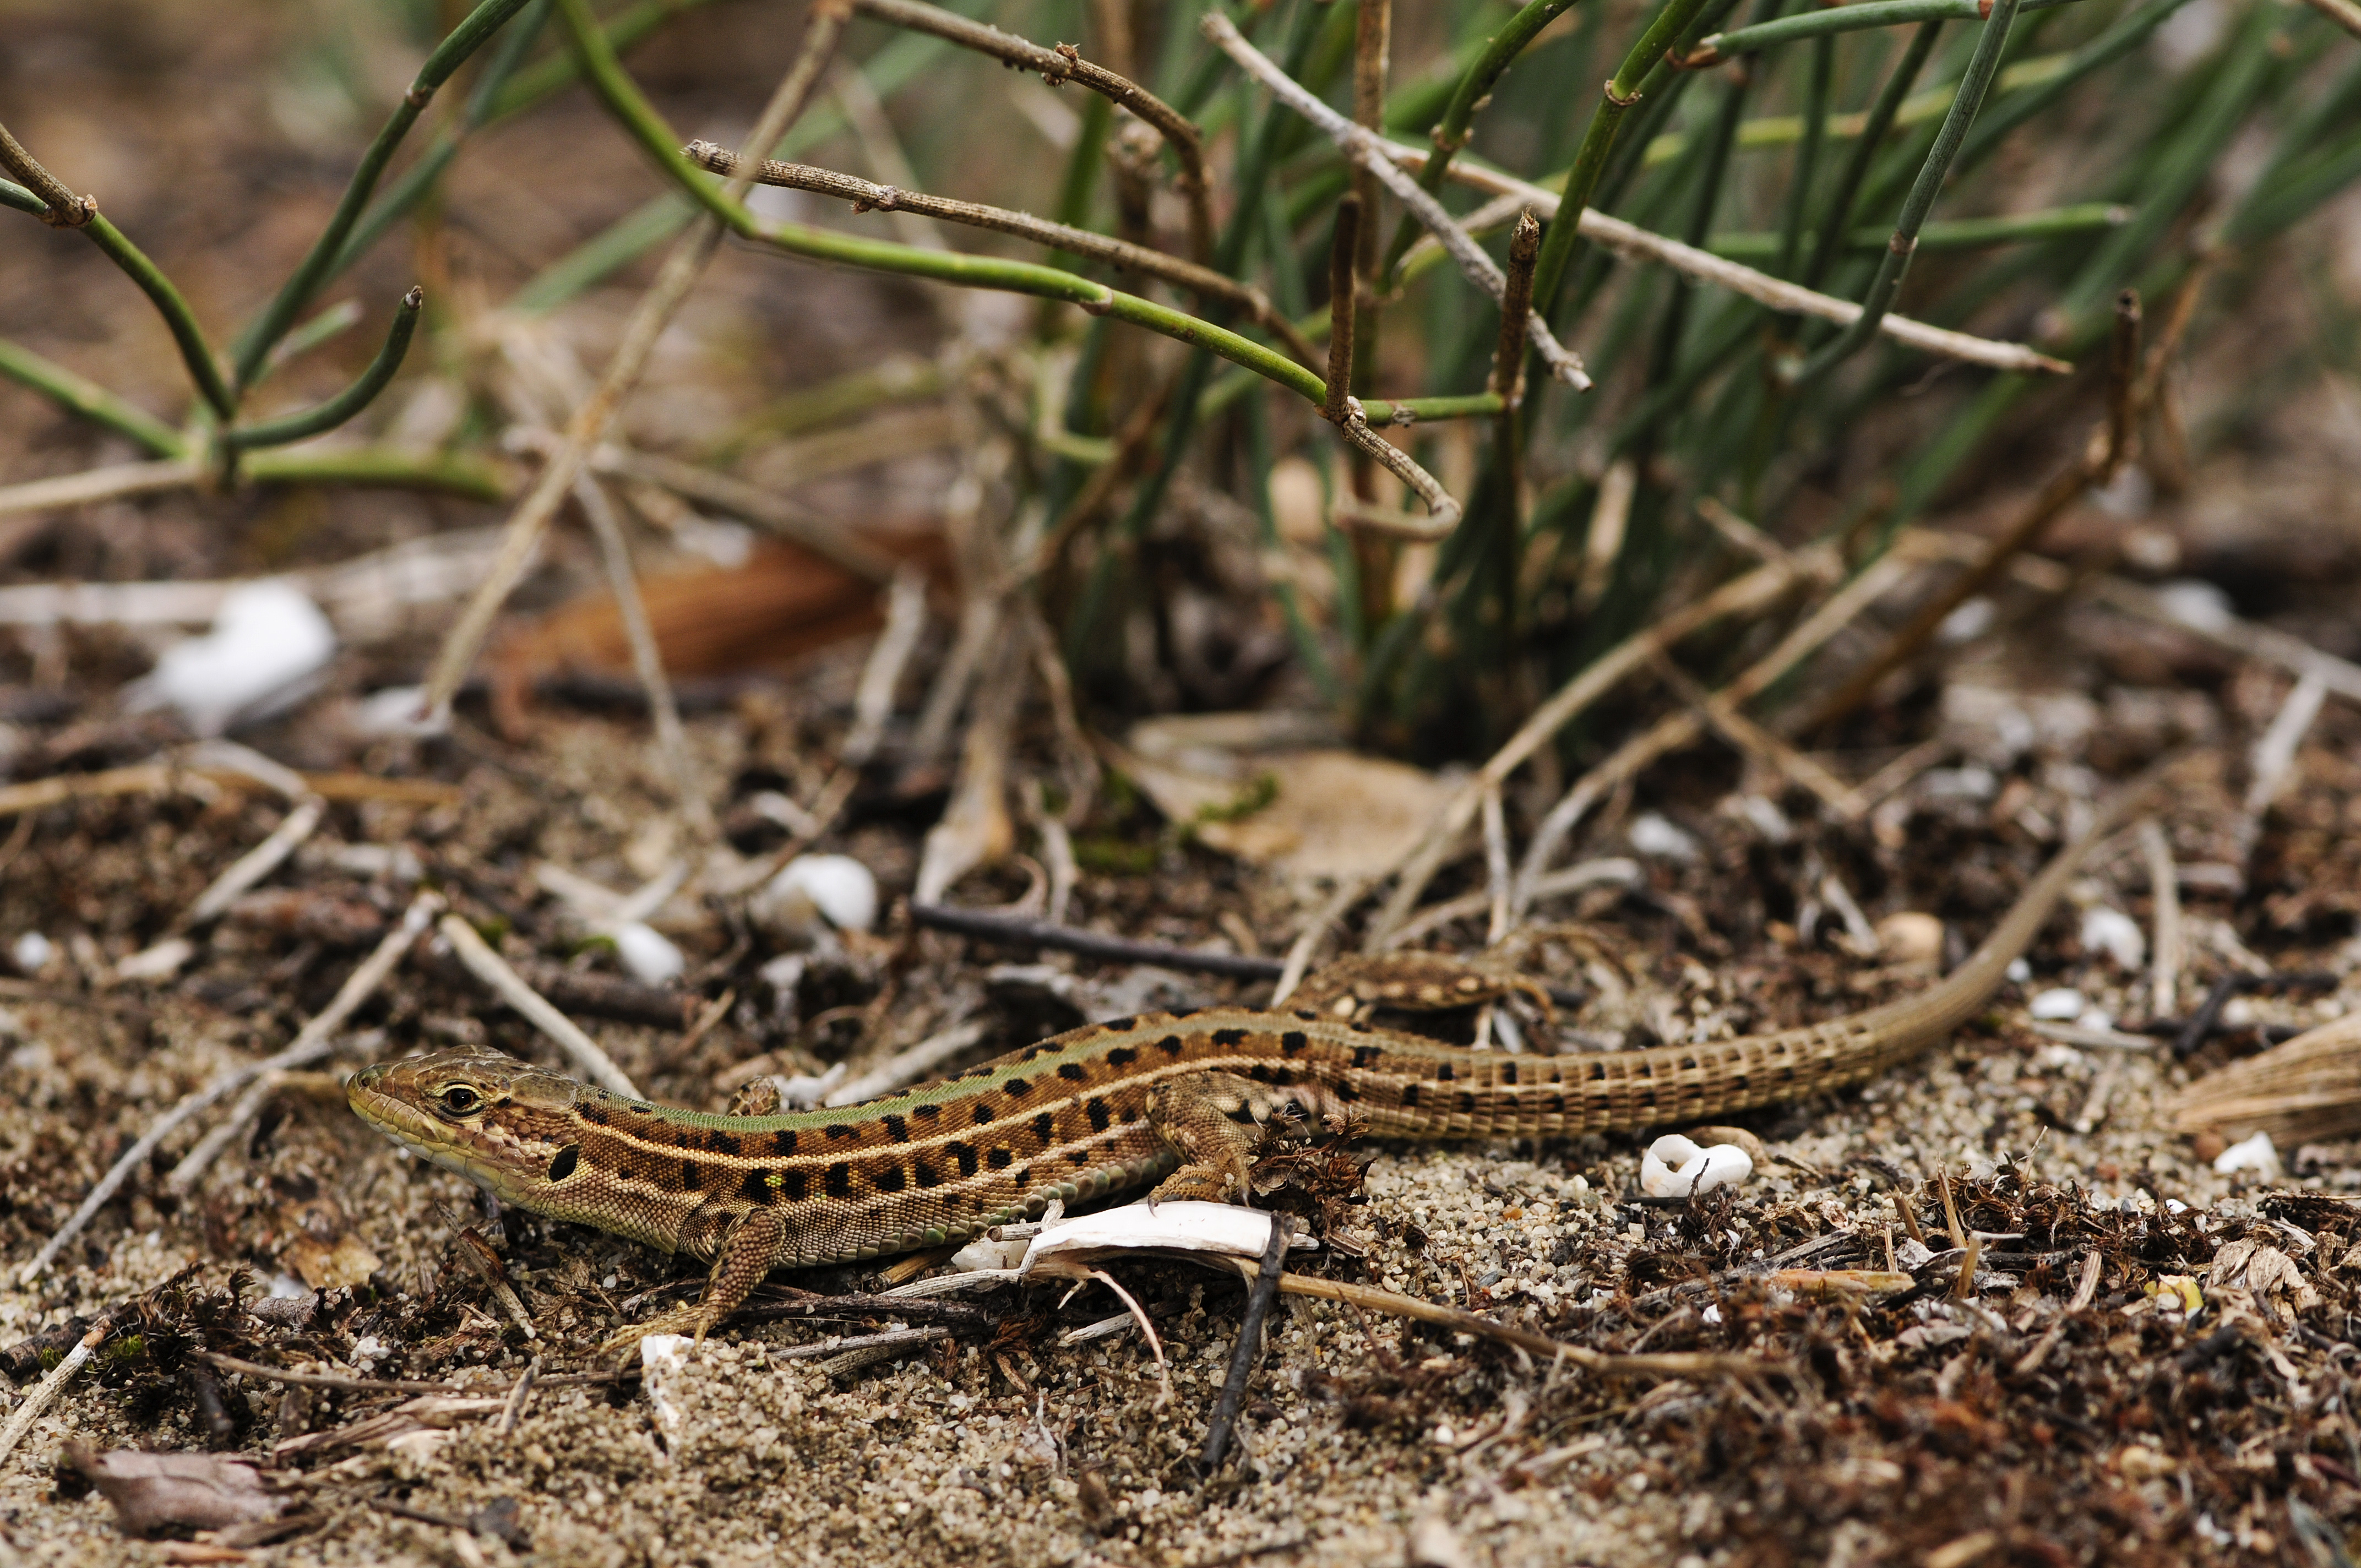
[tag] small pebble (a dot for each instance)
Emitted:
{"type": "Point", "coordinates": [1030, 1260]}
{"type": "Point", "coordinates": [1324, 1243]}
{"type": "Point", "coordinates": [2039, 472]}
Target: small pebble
{"type": "Point", "coordinates": [2256, 1154]}
{"type": "Point", "coordinates": [2116, 934]}
{"type": "Point", "coordinates": [2057, 1004]}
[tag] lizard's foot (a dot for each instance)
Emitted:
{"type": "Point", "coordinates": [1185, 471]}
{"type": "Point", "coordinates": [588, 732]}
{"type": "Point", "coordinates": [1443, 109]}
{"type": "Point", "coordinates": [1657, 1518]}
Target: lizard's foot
{"type": "Point", "coordinates": [1202, 1184]}
{"type": "Point", "coordinates": [692, 1319]}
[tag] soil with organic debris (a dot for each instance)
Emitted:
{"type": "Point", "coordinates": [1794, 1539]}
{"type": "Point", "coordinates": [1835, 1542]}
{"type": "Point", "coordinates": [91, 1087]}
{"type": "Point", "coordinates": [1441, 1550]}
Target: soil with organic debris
{"type": "Point", "coordinates": [2139, 1360]}
{"type": "Point", "coordinates": [1997, 1306]}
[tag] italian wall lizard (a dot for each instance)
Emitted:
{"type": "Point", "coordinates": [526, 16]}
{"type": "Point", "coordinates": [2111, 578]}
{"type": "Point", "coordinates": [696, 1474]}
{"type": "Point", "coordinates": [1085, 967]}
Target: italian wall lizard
{"type": "Point", "coordinates": [1102, 1109]}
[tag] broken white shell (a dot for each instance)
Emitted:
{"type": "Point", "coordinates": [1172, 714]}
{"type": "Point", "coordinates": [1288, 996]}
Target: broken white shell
{"type": "Point", "coordinates": [1675, 1166]}
{"type": "Point", "coordinates": [266, 649]}
{"type": "Point", "coordinates": [813, 892]}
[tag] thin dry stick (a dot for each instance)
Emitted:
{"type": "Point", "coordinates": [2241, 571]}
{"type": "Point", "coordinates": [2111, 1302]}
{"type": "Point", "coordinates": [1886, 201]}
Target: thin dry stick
{"type": "Point", "coordinates": [67, 210]}
{"type": "Point", "coordinates": [2164, 889]}
{"type": "Point", "coordinates": [1573, 879]}
{"type": "Point", "coordinates": [921, 1060]}
{"type": "Point", "coordinates": [1342, 298]}
{"type": "Point", "coordinates": [2274, 761]}
{"type": "Point", "coordinates": [751, 503]}
{"type": "Point", "coordinates": [259, 861]}
{"type": "Point", "coordinates": [95, 485]}
{"type": "Point", "coordinates": [1755, 591]}
{"type": "Point", "coordinates": [518, 1398]}
{"type": "Point", "coordinates": [1349, 891]}
{"type": "Point", "coordinates": [1020, 931]}
{"type": "Point", "coordinates": [866, 196]}
{"type": "Point", "coordinates": [209, 1149]}
{"type": "Point", "coordinates": [681, 270]}
{"type": "Point", "coordinates": [2344, 12]}
{"type": "Point", "coordinates": [1065, 63]}
{"type": "Point", "coordinates": [313, 1042]}
{"type": "Point", "coordinates": [1442, 512]}
{"type": "Point", "coordinates": [45, 1392]}
{"type": "Point", "coordinates": [1638, 244]}
{"type": "Point", "coordinates": [2102, 455]}
{"type": "Point", "coordinates": [1495, 865]}
{"type": "Point", "coordinates": [1368, 150]}
{"type": "Point", "coordinates": [1516, 307]}
{"type": "Point", "coordinates": [1261, 1297]}
{"type": "Point", "coordinates": [1678, 729]}
{"type": "Point", "coordinates": [1759, 743]}
{"type": "Point", "coordinates": [1677, 1363]}
{"type": "Point", "coordinates": [647, 660]}
{"type": "Point", "coordinates": [873, 699]}
{"type": "Point", "coordinates": [491, 969]}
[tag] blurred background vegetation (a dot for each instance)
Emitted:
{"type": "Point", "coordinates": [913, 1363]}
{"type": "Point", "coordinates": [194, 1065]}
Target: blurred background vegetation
{"type": "Point", "coordinates": [1184, 509]}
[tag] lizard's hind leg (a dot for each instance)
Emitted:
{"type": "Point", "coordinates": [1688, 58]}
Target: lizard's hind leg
{"type": "Point", "coordinates": [1199, 1115]}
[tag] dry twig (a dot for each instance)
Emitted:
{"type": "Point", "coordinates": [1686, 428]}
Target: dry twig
{"type": "Point", "coordinates": [314, 1041]}
{"type": "Point", "coordinates": [588, 1057]}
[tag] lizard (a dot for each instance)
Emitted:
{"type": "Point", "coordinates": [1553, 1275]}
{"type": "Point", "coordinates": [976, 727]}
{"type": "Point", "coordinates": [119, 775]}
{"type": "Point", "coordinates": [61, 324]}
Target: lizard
{"type": "Point", "coordinates": [1152, 1101]}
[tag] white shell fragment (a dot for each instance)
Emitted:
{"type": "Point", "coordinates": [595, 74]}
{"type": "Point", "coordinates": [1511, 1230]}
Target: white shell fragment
{"type": "Point", "coordinates": [268, 646]}
{"type": "Point", "coordinates": [814, 892]}
{"type": "Point", "coordinates": [1657, 839]}
{"type": "Point", "coordinates": [2257, 1154]}
{"type": "Point", "coordinates": [2059, 1005]}
{"type": "Point", "coordinates": [648, 953]}
{"type": "Point", "coordinates": [397, 713]}
{"type": "Point", "coordinates": [1223, 1228]}
{"type": "Point", "coordinates": [663, 1358]}
{"type": "Point", "coordinates": [2116, 934]}
{"type": "Point", "coordinates": [31, 952]}
{"type": "Point", "coordinates": [1675, 1166]}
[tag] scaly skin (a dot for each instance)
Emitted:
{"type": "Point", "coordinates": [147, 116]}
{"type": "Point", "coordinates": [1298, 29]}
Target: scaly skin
{"type": "Point", "coordinates": [1098, 1109]}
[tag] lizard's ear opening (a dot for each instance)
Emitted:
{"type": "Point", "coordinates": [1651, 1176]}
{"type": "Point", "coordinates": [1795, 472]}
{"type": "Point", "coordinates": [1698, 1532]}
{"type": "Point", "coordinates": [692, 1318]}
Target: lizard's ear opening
{"type": "Point", "coordinates": [567, 1159]}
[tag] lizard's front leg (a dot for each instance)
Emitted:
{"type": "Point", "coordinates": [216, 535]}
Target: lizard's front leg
{"type": "Point", "coordinates": [748, 1249]}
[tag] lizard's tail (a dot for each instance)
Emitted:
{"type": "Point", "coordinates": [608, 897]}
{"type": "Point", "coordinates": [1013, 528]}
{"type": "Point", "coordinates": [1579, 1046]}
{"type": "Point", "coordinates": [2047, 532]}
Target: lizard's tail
{"type": "Point", "coordinates": [1493, 1093]}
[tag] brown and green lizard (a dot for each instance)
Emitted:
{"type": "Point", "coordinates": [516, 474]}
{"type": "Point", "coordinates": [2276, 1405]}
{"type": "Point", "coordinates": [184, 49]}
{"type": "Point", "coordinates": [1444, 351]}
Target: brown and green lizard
{"type": "Point", "coordinates": [1114, 1106]}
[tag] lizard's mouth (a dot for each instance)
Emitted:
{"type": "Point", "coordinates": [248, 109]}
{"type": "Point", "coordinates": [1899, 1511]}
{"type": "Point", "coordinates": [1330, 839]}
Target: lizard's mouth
{"type": "Point", "coordinates": [423, 1134]}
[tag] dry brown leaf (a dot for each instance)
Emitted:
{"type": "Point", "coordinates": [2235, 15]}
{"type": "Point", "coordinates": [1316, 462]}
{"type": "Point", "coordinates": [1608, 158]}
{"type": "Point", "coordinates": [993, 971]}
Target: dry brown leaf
{"type": "Point", "coordinates": [156, 1492]}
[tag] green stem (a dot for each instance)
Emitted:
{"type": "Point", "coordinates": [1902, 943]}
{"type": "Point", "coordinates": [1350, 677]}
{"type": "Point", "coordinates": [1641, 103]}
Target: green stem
{"type": "Point", "coordinates": [1852, 19]}
{"type": "Point", "coordinates": [454, 474]}
{"type": "Point", "coordinates": [318, 264]}
{"type": "Point", "coordinates": [345, 404]}
{"type": "Point", "coordinates": [1452, 131]}
{"type": "Point", "coordinates": [1955, 234]}
{"type": "Point", "coordinates": [90, 400]}
{"type": "Point", "coordinates": [547, 78]}
{"type": "Point", "coordinates": [1621, 92]}
{"type": "Point", "coordinates": [1921, 200]}
{"type": "Point", "coordinates": [195, 352]}
{"type": "Point", "coordinates": [1807, 154]}
{"type": "Point", "coordinates": [2126, 35]}
{"type": "Point", "coordinates": [1878, 120]}
{"type": "Point", "coordinates": [411, 185]}
{"type": "Point", "coordinates": [638, 116]}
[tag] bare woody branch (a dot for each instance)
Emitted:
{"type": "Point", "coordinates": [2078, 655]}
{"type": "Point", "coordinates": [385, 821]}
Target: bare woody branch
{"type": "Point", "coordinates": [589, 424]}
{"type": "Point", "coordinates": [1203, 282]}
{"type": "Point", "coordinates": [1065, 63]}
{"type": "Point", "coordinates": [1631, 241]}
{"type": "Point", "coordinates": [1372, 152]}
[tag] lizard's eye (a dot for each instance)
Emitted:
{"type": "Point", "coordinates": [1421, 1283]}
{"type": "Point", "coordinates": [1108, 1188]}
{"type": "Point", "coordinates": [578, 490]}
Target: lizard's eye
{"type": "Point", "coordinates": [460, 1101]}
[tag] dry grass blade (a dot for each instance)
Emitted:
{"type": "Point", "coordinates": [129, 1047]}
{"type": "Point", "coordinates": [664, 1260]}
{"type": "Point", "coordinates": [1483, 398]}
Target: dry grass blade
{"type": "Point", "coordinates": [2307, 1089]}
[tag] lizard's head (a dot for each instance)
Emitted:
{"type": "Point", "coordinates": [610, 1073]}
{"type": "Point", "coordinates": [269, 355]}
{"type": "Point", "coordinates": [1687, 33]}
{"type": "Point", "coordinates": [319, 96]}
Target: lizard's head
{"type": "Point", "coordinates": [508, 1126]}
